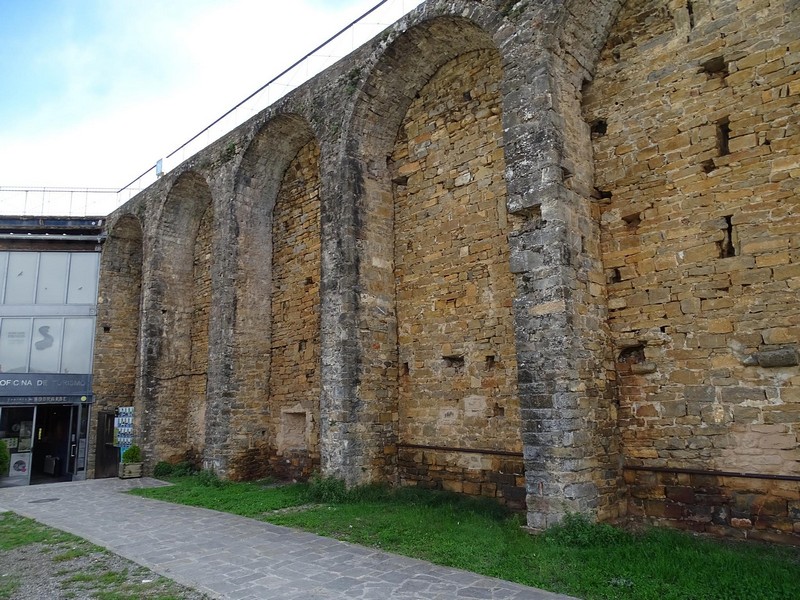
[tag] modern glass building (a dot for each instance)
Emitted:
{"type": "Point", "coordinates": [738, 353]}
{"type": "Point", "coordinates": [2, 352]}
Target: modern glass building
{"type": "Point", "coordinates": [48, 306]}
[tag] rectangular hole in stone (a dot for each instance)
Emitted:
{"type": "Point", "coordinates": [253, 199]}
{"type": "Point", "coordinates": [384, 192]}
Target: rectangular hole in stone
{"type": "Point", "coordinates": [404, 370]}
{"type": "Point", "coordinates": [727, 247]}
{"type": "Point", "coordinates": [498, 411]}
{"type": "Point", "coordinates": [401, 180]}
{"type": "Point", "coordinates": [708, 166]}
{"type": "Point", "coordinates": [715, 67]}
{"type": "Point", "coordinates": [632, 220]}
{"type": "Point", "coordinates": [632, 355]}
{"type": "Point", "coordinates": [723, 136]}
{"type": "Point", "coordinates": [490, 362]}
{"type": "Point", "coordinates": [615, 276]}
{"type": "Point", "coordinates": [454, 362]}
{"type": "Point", "coordinates": [602, 194]}
{"type": "Point", "coordinates": [598, 127]}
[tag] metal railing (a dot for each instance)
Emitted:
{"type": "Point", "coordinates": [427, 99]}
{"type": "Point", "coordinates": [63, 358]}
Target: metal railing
{"type": "Point", "coordinates": [63, 202]}
{"type": "Point", "coordinates": [101, 201]}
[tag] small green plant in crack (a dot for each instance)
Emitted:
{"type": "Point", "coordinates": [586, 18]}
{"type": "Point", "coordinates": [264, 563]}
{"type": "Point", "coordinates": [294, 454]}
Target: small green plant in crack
{"type": "Point", "coordinates": [228, 153]}
{"type": "Point", "coordinates": [353, 77]}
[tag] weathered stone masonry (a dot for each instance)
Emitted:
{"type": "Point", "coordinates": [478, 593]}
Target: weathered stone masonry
{"type": "Point", "coordinates": [539, 251]}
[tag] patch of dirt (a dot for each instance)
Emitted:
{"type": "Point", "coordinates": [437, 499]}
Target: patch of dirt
{"type": "Point", "coordinates": [78, 571]}
{"type": "Point", "coordinates": [292, 509]}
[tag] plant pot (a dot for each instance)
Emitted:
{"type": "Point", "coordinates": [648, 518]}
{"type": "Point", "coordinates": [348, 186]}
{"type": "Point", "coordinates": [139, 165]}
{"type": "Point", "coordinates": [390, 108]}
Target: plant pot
{"type": "Point", "coordinates": [130, 470]}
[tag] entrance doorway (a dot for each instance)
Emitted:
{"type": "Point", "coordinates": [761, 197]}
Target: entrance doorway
{"type": "Point", "coordinates": [47, 442]}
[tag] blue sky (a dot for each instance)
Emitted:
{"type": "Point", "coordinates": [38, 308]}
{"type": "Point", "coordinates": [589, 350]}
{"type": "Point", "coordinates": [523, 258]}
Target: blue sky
{"type": "Point", "coordinates": [95, 91]}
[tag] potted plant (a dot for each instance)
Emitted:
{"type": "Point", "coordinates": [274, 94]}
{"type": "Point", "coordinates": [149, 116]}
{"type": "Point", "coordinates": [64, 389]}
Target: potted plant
{"type": "Point", "coordinates": [131, 464]}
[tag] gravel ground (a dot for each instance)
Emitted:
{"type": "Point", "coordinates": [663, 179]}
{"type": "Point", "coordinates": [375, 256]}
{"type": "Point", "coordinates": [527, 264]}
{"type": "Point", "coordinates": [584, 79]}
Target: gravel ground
{"type": "Point", "coordinates": [76, 569]}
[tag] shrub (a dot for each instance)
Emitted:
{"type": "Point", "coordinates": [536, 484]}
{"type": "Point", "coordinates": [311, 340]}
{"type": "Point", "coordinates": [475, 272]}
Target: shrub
{"type": "Point", "coordinates": [578, 531]}
{"type": "Point", "coordinates": [327, 489]}
{"type": "Point", "coordinates": [5, 458]}
{"type": "Point", "coordinates": [209, 479]}
{"type": "Point", "coordinates": [163, 469]}
{"type": "Point", "coordinates": [181, 469]}
{"type": "Point", "coordinates": [133, 454]}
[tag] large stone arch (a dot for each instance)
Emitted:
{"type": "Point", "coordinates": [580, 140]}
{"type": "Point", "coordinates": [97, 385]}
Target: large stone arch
{"type": "Point", "coordinates": [116, 354]}
{"type": "Point", "coordinates": [567, 422]}
{"type": "Point", "coordinates": [693, 141]}
{"type": "Point", "coordinates": [454, 290]}
{"type": "Point", "coordinates": [177, 323]}
{"type": "Point", "coordinates": [366, 408]}
{"type": "Point", "coordinates": [275, 423]}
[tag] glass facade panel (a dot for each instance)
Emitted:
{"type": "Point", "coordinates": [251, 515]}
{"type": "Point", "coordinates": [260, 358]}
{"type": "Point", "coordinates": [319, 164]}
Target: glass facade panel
{"type": "Point", "coordinates": [83, 278]}
{"type": "Point", "coordinates": [51, 286]}
{"type": "Point", "coordinates": [78, 338]}
{"type": "Point", "coordinates": [21, 277]}
{"type": "Point", "coordinates": [46, 346]}
{"type": "Point", "coordinates": [14, 345]}
{"type": "Point", "coordinates": [3, 271]}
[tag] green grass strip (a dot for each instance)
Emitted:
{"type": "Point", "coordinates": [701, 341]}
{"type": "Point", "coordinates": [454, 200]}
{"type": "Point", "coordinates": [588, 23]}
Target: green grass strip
{"type": "Point", "coordinates": [591, 561]}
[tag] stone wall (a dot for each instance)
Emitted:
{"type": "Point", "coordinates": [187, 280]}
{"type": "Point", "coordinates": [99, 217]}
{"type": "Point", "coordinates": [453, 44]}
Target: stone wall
{"type": "Point", "coordinates": [457, 373]}
{"type": "Point", "coordinates": [556, 265]}
{"type": "Point", "coordinates": [294, 373]}
{"type": "Point", "coordinates": [118, 318]}
{"type": "Point", "coordinates": [170, 411]}
{"type": "Point", "coordinates": [696, 142]}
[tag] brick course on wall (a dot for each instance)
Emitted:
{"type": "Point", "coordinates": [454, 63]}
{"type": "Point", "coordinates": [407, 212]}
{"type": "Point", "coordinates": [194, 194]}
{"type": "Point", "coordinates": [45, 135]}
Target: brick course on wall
{"type": "Point", "coordinates": [561, 233]}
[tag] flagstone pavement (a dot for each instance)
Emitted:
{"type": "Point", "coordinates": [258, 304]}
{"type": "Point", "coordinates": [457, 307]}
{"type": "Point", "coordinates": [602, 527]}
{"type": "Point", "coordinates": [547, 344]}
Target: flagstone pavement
{"type": "Point", "coordinates": [227, 556]}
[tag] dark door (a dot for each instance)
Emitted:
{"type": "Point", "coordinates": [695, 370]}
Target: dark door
{"type": "Point", "coordinates": [107, 455]}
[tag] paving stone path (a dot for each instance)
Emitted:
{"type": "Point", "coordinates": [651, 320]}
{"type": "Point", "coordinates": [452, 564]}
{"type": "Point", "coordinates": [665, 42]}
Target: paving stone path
{"type": "Point", "coordinates": [227, 556]}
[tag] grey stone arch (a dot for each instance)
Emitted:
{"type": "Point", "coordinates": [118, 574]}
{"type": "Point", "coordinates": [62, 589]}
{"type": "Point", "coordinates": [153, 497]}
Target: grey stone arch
{"type": "Point", "coordinates": [176, 322]}
{"type": "Point", "coordinates": [116, 349]}
{"type": "Point", "coordinates": [238, 420]}
{"type": "Point", "coordinates": [359, 321]}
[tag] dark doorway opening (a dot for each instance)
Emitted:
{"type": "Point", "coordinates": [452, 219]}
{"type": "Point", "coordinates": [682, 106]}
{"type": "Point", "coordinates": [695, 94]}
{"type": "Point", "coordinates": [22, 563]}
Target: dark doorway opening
{"type": "Point", "coordinates": [51, 444]}
{"type": "Point", "coordinates": [106, 454]}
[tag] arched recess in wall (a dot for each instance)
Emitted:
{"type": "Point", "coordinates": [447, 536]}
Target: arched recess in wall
{"type": "Point", "coordinates": [277, 320]}
{"type": "Point", "coordinates": [117, 334]}
{"type": "Point", "coordinates": [435, 225]}
{"type": "Point", "coordinates": [182, 298]}
{"type": "Point", "coordinates": [689, 146]}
